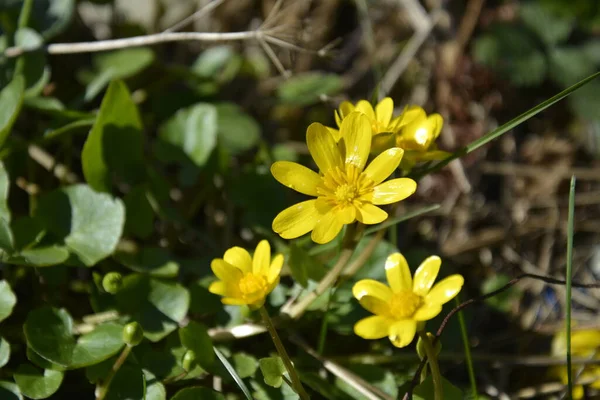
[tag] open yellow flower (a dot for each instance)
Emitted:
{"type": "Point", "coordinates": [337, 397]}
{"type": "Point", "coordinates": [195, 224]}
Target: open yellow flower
{"type": "Point", "coordinates": [379, 117]}
{"type": "Point", "coordinates": [244, 279]}
{"type": "Point", "coordinates": [345, 190]}
{"type": "Point", "coordinates": [585, 344]}
{"type": "Point", "coordinates": [406, 302]}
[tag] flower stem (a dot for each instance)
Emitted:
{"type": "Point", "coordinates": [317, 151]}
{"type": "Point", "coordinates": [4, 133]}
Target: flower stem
{"type": "Point", "coordinates": [103, 387]}
{"type": "Point", "coordinates": [433, 366]}
{"type": "Point", "coordinates": [296, 384]}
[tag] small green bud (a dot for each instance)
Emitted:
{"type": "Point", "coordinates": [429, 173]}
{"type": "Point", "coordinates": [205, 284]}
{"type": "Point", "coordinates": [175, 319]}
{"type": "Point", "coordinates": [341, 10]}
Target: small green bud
{"type": "Point", "coordinates": [112, 282]}
{"type": "Point", "coordinates": [189, 360]}
{"type": "Point", "coordinates": [133, 334]}
{"type": "Point", "coordinates": [421, 347]}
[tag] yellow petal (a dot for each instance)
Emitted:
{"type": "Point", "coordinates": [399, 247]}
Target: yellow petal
{"type": "Point", "coordinates": [384, 111]}
{"type": "Point", "coordinates": [327, 228]}
{"type": "Point", "coordinates": [373, 288]}
{"type": "Point", "coordinates": [366, 108]}
{"type": "Point", "coordinates": [275, 268]}
{"type": "Point", "coordinates": [426, 274]}
{"type": "Point", "coordinates": [374, 327]}
{"type": "Point", "coordinates": [584, 340]}
{"type": "Point", "coordinates": [322, 147]}
{"type": "Point", "coordinates": [410, 114]}
{"type": "Point", "coordinates": [225, 271]}
{"type": "Point", "coordinates": [296, 176]}
{"type": "Point", "coordinates": [370, 214]}
{"type": "Point", "coordinates": [239, 258]}
{"type": "Point", "coordinates": [233, 301]}
{"type": "Point", "coordinates": [393, 191]}
{"type": "Point", "coordinates": [403, 332]}
{"type": "Point", "coordinates": [296, 220]}
{"type": "Point", "coordinates": [374, 305]}
{"type": "Point", "coordinates": [346, 214]}
{"type": "Point", "coordinates": [384, 165]}
{"type": "Point", "coordinates": [335, 133]}
{"type": "Point", "coordinates": [218, 287]}
{"type": "Point", "coordinates": [398, 273]}
{"type": "Point", "coordinates": [427, 312]}
{"type": "Point", "coordinates": [261, 259]}
{"type": "Point", "coordinates": [345, 108]}
{"type": "Point", "coordinates": [356, 131]}
{"type": "Point", "coordinates": [445, 290]}
{"type": "Point", "coordinates": [435, 122]}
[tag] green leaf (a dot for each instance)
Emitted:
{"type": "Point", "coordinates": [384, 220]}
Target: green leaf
{"type": "Point", "coordinates": [7, 241]}
{"type": "Point", "coordinates": [37, 384]}
{"type": "Point", "coordinates": [11, 99]}
{"type": "Point", "coordinates": [304, 266]}
{"type": "Point", "coordinates": [159, 306]}
{"type": "Point", "coordinates": [550, 27]}
{"type": "Point", "coordinates": [424, 391]}
{"type": "Point", "coordinates": [4, 187]}
{"type": "Point", "coordinates": [195, 337]}
{"type": "Point", "coordinates": [272, 369]}
{"type": "Point", "coordinates": [586, 101]}
{"type": "Point", "coordinates": [569, 65]}
{"type": "Point", "coordinates": [232, 372]}
{"type": "Point", "coordinates": [155, 390]}
{"type": "Point", "coordinates": [154, 261]}
{"type": "Point", "coordinates": [192, 130]}
{"type": "Point", "coordinates": [34, 67]}
{"type": "Point", "coordinates": [513, 53]}
{"type": "Point", "coordinates": [41, 362]}
{"type": "Point", "coordinates": [502, 301]}
{"type": "Point", "coordinates": [4, 352]}
{"type": "Point", "coordinates": [49, 332]}
{"type": "Point", "coordinates": [245, 364]}
{"type": "Point", "coordinates": [8, 300]}
{"type": "Point", "coordinates": [237, 131]}
{"type": "Point", "coordinates": [9, 391]}
{"type": "Point", "coordinates": [140, 215]}
{"type": "Point", "coordinates": [39, 257]}
{"type": "Point", "coordinates": [196, 393]}
{"type": "Point", "coordinates": [306, 89]}
{"type": "Point", "coordinates": [202, 302]}
{"type": "Point", "coordinates": [69, 129]}
{"type": "Point", "coordinates": [115, 143]}
{"type": "Point", "coordinates": [89, 223]}
{"type": "Point", "coordinates": [51, 17]}
{"type": "Point", "coordinates": [212, 62]}
{"type": "Point", "coordinates": [128, 383]}
{"type": "Point", "coordinates": [592, 50]}
{"type": "Point", "coordinates": [120, 64]}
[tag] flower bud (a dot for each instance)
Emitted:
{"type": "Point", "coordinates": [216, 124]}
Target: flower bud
{"type": "Point", "coordinates": [112, 282]}
{"type": "Point", "coordinates": [421, 347]}
{"type": "Point", "coordinates": [189, 360]}
{"type": "Point", "coordinates": [133, 334]}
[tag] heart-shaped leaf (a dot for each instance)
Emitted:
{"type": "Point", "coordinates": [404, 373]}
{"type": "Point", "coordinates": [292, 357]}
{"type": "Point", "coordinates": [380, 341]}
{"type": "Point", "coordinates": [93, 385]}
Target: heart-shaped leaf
{"type": "Point", "coordinates": [4, 352]}
{"type": "Point", "coordinates": [7, 300]}
{"type": "Point", "coordinates": [40, 257]}
{"type": "Point", "coordinates": [49, 332]}
{"type": "Point", "coordinates": [115, 143]}
{"type": "Point", "coordinates": [272, 369]}
{"type": "Point", "coordinates": [89, 223]}
{"type": "Point", "coordinates": [11, 99]}
{"type": "Point", "coordinates": [37, 384]}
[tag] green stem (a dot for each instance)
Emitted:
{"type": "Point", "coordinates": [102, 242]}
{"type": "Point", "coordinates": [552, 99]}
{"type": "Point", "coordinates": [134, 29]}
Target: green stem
{"type": "Point", "coordinates": [103, 388]}
{"type": "Point", "coordinates": [468, 358]}
{"type": "Point", "coordinates": [296, 384]}
{"type": "Point", "coordinates": [23, 22]}
{"type": "Point", "coordinates": [433, 366]}
{"type": "Point", "coordinates": [570, 233]}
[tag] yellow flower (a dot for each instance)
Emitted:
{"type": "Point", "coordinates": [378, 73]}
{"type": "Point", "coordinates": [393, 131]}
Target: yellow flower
{"type": "Point", "coordinates": [244, 279]}
{"type": "Point", "coordinates": [345, 190]}
{"type": "Point", "coordinates": [406, 302]}
{"type": "Point", "coordinates": [380, 118]}
{"type": "Point", "coordinates": [584, 344]}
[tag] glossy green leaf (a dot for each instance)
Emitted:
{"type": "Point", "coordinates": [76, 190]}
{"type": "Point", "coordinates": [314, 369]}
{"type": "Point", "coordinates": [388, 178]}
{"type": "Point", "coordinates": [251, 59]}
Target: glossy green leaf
{"type": "Point", "coordinates": [237, 131]}
{"type": "Point", "coordinates": [7, 241]}
{"type": "Point", "coordinates": [154, 261]}
{"type": "Point", "coordinates": [159, 306]}
{"type": "Point", "coordinates": [194, 336]}
{"type": "Point", "coordinates": [305, 89]}
{"type": "Point", "coordinates": [245, 364]}
{"type": "Point", "coordinates": [34, 67]}
{"type": "Point", "coordinates": [140, 215]}
{"type": "Point", "coordinates": [8, 300]}
{"type": "Point", "coordinates": [11, 99]}
{"type": "Point", "coordinates": [213, 61]}
{"type": "Point", "coordinates": [37, 384]}
{"type": "Point", "coordinates": [155, 390]}
{"type": "Point", "coordinates": [89, 223]}
{"type": "Point", "coordinates": [51, 17]}
{"type": "Point", "coordinates": [9, 391]}
{"type": "Point", "coordinates": [27, 232]}
{"type": "Point", "coordinates": [4, 352]}
{"type": "Point", "coordinates": [272, 369]}
{"type": "Point", "coordinates": [41, 362]}
{"type": "Point", "coordinates": [128, 383]}
{"type": "Point", "coordinates": [39, 257]}
{"type": "Point", "coordinates": [193, 131]}
{"type": "Point", "coordinates": [425, 390]}
{"type": "Point", "coordinates": [115, 145]}
{"type": "Point", "coordinates": [49, 332]}
{"type": "Point", "coordinates": [195, 393]}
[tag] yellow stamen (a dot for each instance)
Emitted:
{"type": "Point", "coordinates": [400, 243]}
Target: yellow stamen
{"type": "Point", "coordinates": [251, 284]}
{"type": "Point", "coordinates": [404, 304]}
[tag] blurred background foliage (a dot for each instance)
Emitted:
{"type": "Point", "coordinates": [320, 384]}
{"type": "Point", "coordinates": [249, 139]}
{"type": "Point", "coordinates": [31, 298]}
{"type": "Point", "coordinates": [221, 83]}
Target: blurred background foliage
{"type": "Point", "coordinates": [152, 161]}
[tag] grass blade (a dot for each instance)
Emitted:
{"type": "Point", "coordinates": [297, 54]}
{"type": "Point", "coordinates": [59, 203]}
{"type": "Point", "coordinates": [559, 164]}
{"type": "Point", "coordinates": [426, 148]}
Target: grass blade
{"type": "Point", "coordinates": [469, 360]}
{"type": "Point", "coordinates": [238, 380]}
{"type": "Point", "coordinates": [569, 278]}
{"type": "Point", "coordinates": [397, 220]}
{"type": "Point", "coordinates": [508, 126]}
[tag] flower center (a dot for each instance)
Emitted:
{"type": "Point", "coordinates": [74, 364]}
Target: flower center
{"type": "Point", "coordinates": [250, 283]}
{"type": "Point", "coordinates": [404, 304]}
{"type": "Point", "coordinates": [345, 194]}
{"type": "Point", "coordinates": [344, 187]}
